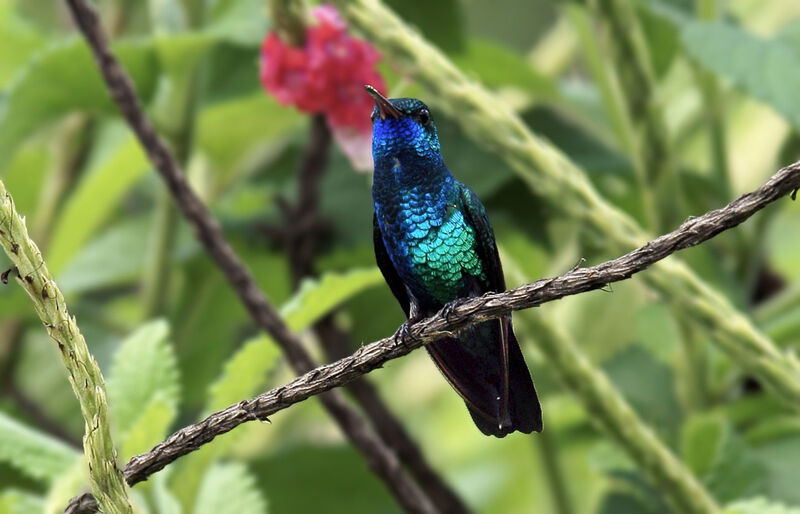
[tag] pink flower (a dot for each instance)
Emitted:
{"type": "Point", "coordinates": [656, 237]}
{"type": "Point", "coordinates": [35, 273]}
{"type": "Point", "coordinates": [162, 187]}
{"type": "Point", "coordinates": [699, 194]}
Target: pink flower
{"type": "Point", "coordinates": [327, 75]}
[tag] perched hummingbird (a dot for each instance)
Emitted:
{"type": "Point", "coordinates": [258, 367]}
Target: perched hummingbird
{"type": "Point", "coordinates": [433, 244]}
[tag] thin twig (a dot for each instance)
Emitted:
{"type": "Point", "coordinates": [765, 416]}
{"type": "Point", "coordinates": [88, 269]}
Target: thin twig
{"type": "Point", "coordinates": [303, 230]}
{"type": "Point", "coordinates": [457, 315]}
{"type": "Point", "coordinates": [379, 458]}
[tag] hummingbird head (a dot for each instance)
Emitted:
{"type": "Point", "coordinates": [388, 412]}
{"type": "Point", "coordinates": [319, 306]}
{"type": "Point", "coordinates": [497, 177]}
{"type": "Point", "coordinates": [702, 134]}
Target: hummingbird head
{"type": "Point", "coordinates": [403, 130]}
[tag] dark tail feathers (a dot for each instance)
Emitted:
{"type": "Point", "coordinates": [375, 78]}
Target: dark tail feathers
{"type": "Point", "coordinates": [473, 364]}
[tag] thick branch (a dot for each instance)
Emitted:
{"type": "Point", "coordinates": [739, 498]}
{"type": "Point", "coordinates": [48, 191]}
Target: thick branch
{"type": "Point", "coordinates": [458, 314]}
{"type": "Point", "coordinates": [381, 460]}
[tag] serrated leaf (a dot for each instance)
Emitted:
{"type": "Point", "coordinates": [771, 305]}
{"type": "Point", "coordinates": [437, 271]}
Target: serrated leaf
{"type": "Point", "coordinates": [246, 370]}
{"type": "Point", "coordinates": [760, 506]}
{"type": "Point", "coordinates": [318, 296]}
{"type": "Point", "coordinates": [229, 487]}
{"type": "Point", "coordinates": [65, 79]}
{"type": "Point", "coordinates": [767, 69]}
{"type": "Point", "coordinates": [736, 472]}
{"type": "Point", "coordinates": [150, 427]}
{"type": "Point", "coordinates": [144, 369]}
{"type": "Point", "coordinates": [721, 457]}
{"type": "Point", "coordinates": [33, 453]}
{"type": "Point", "coordinates": [243, 372]}
{"type": "Point", "coordinates": [94, 200]}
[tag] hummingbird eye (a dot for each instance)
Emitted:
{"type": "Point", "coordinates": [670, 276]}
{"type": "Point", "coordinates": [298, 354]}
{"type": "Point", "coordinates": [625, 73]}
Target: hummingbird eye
{"type": "Point", "coordinates": [373, 115]}
{"type": "Point", "coordinates": [424, 117]}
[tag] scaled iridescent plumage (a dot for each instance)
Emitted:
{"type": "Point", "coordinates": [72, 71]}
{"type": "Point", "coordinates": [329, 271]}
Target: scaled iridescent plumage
{"type": "Point", "coordinates": [433, 243]}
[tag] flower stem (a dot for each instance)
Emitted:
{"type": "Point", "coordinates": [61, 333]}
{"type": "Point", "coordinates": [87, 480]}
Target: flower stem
{"type": "Point", "coordinates": [108, 484]}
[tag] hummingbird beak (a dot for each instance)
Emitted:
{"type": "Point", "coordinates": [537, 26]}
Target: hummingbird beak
{"type": "Point", "coordinates": [385, 107]}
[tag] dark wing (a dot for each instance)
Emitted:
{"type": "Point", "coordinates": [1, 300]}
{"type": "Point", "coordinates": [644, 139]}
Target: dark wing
{"type": "Point", "coordinates": [387, 268]}
{"type": "Point", "coordinates": [475, 216]}
{"type": "Point", "coordinates": [520, 404]}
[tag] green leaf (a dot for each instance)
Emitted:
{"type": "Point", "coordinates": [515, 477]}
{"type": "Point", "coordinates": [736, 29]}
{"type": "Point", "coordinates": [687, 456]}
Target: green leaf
{"type": "Point", "coordinates": [737, 472]}
{"type": "Point", "coordinates": [439, 21]}
{"type": "Point", "coordinates": [767, 69]}
{"type": "Point", "coordinates": [118, 255]}
{"type": "Point", "coordinates": [318, 296]}
{"type": "Point", "coordinates": [232, 133]}
{"type": "Point", "coordinates": [18, 502]}
{"type": "Point", "coordinates": [181, 53]}
{"type": "Point", "coordinates": [25, 175]}
{"type": "Point", "coordinates": [246, 370]}
{"type": "Point", "coordinates": [760, 506]}
{"type": "Point", "coordinates": [649, 386]}
{"type": "Point", "coordinates": [336, 472]}
{"type": "Point", "coordinates": [94, 200]}
{"type": "Point", "coordinates": [33, 453]}
{"type": "Point", "coordinates": [498, 65]}
{"type": "Point", "coordinates": [63, 488]}
{"type": "Point", "coordinates": [701, 436]}
{"type": "Point", "coordinates": [229, 487]}
{"type": "Point", "coordinates": [65, 79]}
{"type": "Point", "coordinates": [243, 373]}
{"type": "Point", "coordinates": [721, 457]}
{"type": "Point", "coordinates": [15, 33]}
{"type": "Point", "coordinates": [662, 38]}
{"type": "Point", "coordinates": [243, 22]}
{"type": "Point", "coordinates": [781, 457]}
{"type": "Point", "coordinates": [165, 502]}
{"type": "Point", "coordinates": [144, 371]}
{"type": "Point", "coordinates": [150, 427]}
{"type": "Point", "coordinates": [631, 494]}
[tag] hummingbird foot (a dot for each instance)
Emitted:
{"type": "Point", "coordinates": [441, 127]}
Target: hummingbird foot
{"type": "Point", "coordinates": [449, 309]}
{"type": "Point", "coordinates": [403, 334]}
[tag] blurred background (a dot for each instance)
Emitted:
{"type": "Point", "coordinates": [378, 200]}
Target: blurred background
{"type": "Point", "coordinates": [671, 107]}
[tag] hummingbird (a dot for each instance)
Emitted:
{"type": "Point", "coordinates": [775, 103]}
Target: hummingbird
{"type": "Point", "coordinates": [434, 244]}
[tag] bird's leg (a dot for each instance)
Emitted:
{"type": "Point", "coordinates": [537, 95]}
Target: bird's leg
{"type": "Point", "coordinates": [450, 308]}
{"type": "Point", "coordinates": [404, 332]}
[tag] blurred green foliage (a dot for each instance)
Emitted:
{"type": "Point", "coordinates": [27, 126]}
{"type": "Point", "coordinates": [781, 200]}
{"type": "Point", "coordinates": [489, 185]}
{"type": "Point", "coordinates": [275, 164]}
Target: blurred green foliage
{"type": "Point", "coordinates": [725, 82]}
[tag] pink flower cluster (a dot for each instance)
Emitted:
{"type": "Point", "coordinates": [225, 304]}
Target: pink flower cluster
{"type": "Point", "coordinates": [327, 75]}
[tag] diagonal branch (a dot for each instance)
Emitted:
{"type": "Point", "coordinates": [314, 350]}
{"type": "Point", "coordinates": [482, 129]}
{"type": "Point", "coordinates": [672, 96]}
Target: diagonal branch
{"type": "Point", "coordinates": [457, 315]}
{"type": "Point", "coordinates": [379, 457]}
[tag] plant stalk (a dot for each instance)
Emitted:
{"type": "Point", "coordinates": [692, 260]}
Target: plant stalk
{"type": "Point", "coordinates": [107, 482]}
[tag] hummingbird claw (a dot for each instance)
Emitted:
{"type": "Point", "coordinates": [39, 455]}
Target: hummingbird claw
{"type": "Point", "coordinates": [449, 309]}
{"type": "Point", "coordinates": [403, 333]}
